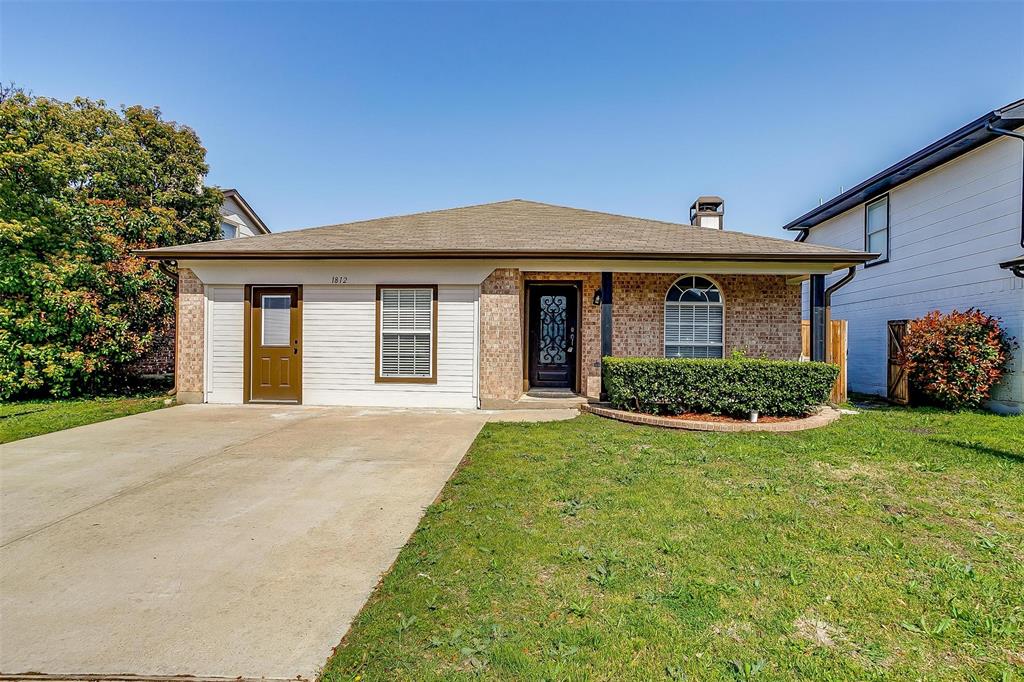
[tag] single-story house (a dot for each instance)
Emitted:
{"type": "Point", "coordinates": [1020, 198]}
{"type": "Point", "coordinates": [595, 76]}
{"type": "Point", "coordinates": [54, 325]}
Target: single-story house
{"type": "Point", "coordinates": [476, 306]}
{"type": "Point", "coordinates": [948, 225]}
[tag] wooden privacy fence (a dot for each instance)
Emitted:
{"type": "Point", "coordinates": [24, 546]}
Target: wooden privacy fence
{"type": "Point", "coordinates": [836, 353]}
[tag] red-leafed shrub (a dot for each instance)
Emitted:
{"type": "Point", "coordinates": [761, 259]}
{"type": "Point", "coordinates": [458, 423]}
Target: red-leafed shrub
{"type": "Point", "coordinates": [955, 359]}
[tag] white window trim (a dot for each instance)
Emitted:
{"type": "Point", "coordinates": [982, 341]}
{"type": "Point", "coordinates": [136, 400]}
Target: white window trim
{"type": "Point", "coordinates": [664, 324]}
{"type": "Point", "coordinates": [884, 257]}
{"type": "Point", "coordinates": [263, 326]}
{"type": "Point", "coordinates": [431, 377]}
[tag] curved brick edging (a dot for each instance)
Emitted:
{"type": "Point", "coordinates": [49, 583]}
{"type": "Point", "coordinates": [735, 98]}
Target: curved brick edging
{"type": "Point", "coordinates": [823, 417]}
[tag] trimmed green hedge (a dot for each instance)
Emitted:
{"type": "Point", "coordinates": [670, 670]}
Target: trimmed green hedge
{"type": "Point", "coordinates": [731, 387]}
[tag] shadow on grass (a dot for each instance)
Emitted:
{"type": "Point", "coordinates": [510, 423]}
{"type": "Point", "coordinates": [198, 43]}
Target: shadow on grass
{"type": "Point", "coordinates": [1017, 457]}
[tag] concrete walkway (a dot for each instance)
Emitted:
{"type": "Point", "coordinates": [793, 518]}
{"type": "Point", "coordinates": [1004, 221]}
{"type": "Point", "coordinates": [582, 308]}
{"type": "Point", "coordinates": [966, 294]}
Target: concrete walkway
{"type": "Point", "coordinates": [210, 541]}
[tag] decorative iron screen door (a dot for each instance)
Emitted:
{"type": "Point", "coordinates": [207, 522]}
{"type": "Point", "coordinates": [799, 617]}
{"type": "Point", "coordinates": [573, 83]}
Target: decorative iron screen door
{"type": "Point", "coordinates": [553, 336]}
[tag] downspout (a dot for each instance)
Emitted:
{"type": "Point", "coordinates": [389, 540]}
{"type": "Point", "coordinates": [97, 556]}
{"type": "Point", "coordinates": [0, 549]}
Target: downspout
{"type": "Point", "coordinates": [165, 268]}
{"type": "Point", "coordinates": [1012, 133]}
{"type": "Point", "coordinates": [850, 274]}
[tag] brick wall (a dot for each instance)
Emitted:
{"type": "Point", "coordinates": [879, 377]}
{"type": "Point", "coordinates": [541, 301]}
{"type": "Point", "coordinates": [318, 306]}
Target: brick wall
{"type": "Point", "coordinates": [501, 336]}
{"type": "Point", "coordinates": [160, 358]}
{"type": "Point", "coordinates": [191, 342]}
{"type": "Point", "coordinates": [762, 314]}
{"type": "Point", "coordinates": [762, 317]}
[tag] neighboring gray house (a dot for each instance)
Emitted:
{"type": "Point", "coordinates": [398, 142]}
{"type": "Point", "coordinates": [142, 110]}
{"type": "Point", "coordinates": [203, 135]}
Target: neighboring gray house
{"type": "Point", "coordinates": [947, 223]}
{"type": "Point", "coordinates": [237, 219]}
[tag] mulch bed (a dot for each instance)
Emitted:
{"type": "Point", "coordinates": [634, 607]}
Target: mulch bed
{"type": "Point", "coordinates": [713, 422]}
{"type": "Point", "coordinates": [701, 417]}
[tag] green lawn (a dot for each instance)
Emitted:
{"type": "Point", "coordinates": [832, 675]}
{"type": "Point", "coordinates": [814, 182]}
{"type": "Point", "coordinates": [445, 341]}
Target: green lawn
{"type": "Point", "coordinates": [887, 546]}
{"type": "Point", "coordinates": [34, 417]}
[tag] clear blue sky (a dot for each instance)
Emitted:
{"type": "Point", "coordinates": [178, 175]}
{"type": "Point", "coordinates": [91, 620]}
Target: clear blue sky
{"type": "Point", "coordinates": [330, 112]}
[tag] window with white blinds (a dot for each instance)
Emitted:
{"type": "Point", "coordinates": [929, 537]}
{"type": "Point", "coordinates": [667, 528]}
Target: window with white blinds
{"type": "Point", "coordinates": [694, 319]}
{"type": "Point", "coordinates": [407, 328]}
{"type": "Point", "coordinates": [277, 319]}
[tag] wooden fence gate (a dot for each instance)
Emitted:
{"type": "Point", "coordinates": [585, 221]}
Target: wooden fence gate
{"type": "Point", "coordinates": [836, 353]}
{"type": "Point", "coordinates": [898, 388]}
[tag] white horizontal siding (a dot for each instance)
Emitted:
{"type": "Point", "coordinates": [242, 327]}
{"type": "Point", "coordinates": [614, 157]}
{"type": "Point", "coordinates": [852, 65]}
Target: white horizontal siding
{"type": "Point", "coordinates": [339, 336]}
{"type": "Point", "coordinates": [225, 345]}
{"type": "Point", "coordinates": [949, 230]}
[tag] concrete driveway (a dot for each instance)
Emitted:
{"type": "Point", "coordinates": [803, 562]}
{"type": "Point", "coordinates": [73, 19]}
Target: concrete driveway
{"type": "Point", "coordinates": [209, 541]}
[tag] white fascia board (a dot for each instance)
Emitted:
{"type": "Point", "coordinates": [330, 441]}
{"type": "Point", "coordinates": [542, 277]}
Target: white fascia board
{"type": "Point", "coordinates": [469, 271]}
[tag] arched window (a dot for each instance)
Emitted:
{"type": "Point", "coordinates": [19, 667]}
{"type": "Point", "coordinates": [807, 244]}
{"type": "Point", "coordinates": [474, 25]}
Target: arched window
{"type": "Point", "coordinates": [694, 315]}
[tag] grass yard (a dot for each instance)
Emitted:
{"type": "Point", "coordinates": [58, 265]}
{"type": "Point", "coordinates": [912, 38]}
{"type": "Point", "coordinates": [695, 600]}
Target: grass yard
{"type": "Point", "coordinates": [887, 546]}
{"type": "Point", "coordinates": [35, 417]}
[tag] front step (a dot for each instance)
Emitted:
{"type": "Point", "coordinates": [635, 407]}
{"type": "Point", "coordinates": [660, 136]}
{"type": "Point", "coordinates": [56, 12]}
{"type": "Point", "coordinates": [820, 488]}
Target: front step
{"type": "Point", "coordinates": [556, 393]}
{"type": "Point", "coordinates": [533, 401]}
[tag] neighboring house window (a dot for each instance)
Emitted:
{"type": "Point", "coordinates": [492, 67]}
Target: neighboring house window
{"type": "Point", "coordinates": [228, 231]}
{"type": "Point", "coordinates": [694, 317]}
{"type": "Point", "coordinates": [407, 329]}
{"type": "Point", "coordinates": [876, 228]}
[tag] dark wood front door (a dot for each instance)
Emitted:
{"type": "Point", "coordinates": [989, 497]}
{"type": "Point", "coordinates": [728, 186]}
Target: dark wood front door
{"type": "Point", "coordinates": [898, 384]}
{"type": "Point", "coordinates": [553, 336]}
{"type": "Point", "coordinates": [275, 338]}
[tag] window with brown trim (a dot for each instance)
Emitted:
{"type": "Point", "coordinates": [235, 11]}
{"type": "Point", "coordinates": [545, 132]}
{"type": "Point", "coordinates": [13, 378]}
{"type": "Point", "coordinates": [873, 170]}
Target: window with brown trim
{"type": "Point", "coordinates": [406, 334]}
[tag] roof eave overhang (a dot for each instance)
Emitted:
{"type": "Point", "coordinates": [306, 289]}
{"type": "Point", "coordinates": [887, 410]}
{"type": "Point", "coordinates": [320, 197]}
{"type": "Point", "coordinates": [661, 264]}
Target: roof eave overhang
{"type": "Point", "coordinates": [957, 143]}
{"type": "Point", "coordinates": [841, 259]}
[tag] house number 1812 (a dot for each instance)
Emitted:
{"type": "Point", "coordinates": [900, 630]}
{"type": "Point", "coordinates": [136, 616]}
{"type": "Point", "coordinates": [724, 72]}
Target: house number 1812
{"type": "Point", "coordinates": [339, 279]}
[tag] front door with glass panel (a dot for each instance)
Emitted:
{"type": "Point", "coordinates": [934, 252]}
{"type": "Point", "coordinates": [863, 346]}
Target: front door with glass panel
{"type": "Point", "coordinates": [275, 337]}
{"type": "Point", "coordinates": [552, 336]}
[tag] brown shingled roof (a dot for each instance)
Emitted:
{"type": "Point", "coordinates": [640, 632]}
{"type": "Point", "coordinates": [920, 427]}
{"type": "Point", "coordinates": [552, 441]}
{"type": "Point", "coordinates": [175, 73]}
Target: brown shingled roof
{"type": "Point", "coordinates": [515, 229]}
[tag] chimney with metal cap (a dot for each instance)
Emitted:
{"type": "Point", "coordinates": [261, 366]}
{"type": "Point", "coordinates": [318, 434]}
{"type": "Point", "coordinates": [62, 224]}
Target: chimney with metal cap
{"type": "Point", "coordinates": [709, 212]}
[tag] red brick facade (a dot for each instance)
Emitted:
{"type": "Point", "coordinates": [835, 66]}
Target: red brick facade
{"type": "Point", "coordinates": [762, 318]}
{"type": "Point", "coordinates": [501, 336]}
{"type": "Point", "coordinates": [762, 314]}
{"type": "Point", "coordinates": [191, 337]}
{"type": "Point", "coordinates": [160, 358]}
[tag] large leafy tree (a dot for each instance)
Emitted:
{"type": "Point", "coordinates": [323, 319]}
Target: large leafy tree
{"type": "Point", "coordinates": [82, 185]}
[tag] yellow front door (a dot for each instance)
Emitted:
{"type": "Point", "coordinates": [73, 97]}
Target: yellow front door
{"type": "Point", "coordinates": [275, 338]}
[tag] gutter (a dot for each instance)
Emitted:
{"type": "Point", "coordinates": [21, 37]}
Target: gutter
{"type": "Point", "coordinates": [840, 257]}
{"type": "Point", "coordinates": [1016, 266]}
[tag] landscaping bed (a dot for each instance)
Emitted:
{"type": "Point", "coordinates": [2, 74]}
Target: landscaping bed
{"type": "Point", "coordinates": [716, 422]}
{"type": "Point", "coordinates": [889, 546]}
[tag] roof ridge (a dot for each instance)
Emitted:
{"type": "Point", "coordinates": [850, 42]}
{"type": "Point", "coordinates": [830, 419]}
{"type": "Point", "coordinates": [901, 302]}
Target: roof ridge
{"type": "Point", "coordinates": [665, 223]}
{"type": "Point", "coordinates": [651, 222]}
